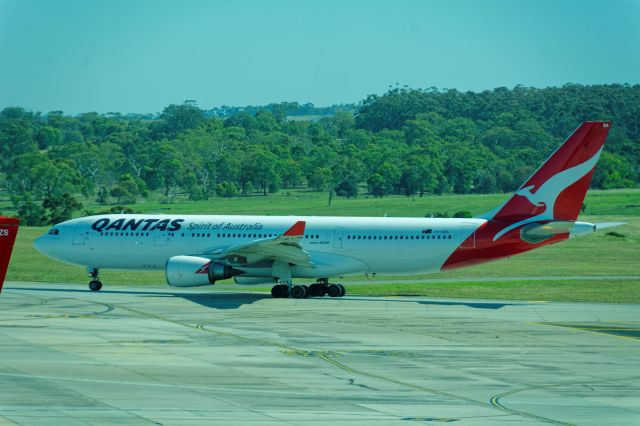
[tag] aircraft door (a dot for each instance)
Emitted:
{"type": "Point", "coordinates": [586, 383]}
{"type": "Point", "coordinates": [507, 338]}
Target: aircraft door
{"type": "Point", "coordinates": [79, 235]}
{"type": "Point", "coordinates": [338, 234]}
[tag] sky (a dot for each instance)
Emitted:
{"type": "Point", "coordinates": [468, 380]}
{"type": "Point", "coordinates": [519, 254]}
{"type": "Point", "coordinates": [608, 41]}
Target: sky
{"type": "Point", "coordinates": [142, 55]}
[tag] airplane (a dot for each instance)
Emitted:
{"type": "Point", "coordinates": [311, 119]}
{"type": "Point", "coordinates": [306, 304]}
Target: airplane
{"type": "Point", "coordinates": [198, 250]}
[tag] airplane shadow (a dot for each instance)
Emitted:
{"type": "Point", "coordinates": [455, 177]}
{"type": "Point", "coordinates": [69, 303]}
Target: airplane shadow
{"type": "Point", "coordinates": [210, 300]}
{"type": "Point", "coordinates": [219, 300]}
{"type": "Point", "coordinates": [477, 305]}
{"type": "Point", "coordinates": [223, 300]}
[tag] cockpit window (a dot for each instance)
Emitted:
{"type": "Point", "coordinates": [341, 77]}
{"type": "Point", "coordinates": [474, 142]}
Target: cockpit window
{"type": "Point", "coordinates": [54, 231]}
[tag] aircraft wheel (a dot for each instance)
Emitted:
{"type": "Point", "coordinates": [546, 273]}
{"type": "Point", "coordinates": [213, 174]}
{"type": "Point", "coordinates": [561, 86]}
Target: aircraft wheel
{"type": "Point", "coordinates": [316, 290]}
{"type": "Point", "coordinates": [298, 292]}
{"type": "Point", "coordinates": [306, 291]}
{"type": "Point", "coordinates": [334, 291]}
{"type": "Point", "coordinates": [95, 285]}
{"type": "Point", "coordinates": [343, 290]}
{"type": "Point", "coordinates": [280, 291]}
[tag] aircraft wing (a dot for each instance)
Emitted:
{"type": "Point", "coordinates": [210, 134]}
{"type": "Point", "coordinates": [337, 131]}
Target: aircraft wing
{"type": "Point", "coordinates": [285, 247]}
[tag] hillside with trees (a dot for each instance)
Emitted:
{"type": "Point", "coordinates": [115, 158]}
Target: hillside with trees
{"type": "Point", "coordinates": [411, 142]}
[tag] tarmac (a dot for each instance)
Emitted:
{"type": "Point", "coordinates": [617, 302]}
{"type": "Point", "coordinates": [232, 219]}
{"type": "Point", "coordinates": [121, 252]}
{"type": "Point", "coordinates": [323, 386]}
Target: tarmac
{"type": "Point", "coordinates": [164, 356]}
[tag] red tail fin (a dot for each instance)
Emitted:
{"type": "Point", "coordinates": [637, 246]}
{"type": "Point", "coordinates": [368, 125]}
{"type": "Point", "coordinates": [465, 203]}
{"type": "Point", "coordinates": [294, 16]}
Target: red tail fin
{"type": "Point", "coordinates": [552, 195]}
{"type": "Point", "coordinates": [8, 232]}
{"type": "Point", "coordinates": [557, 189]}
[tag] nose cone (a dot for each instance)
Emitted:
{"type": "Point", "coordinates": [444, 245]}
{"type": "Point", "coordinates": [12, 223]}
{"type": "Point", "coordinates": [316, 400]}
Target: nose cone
{"type": "Point", "coordinates": [42, 244]}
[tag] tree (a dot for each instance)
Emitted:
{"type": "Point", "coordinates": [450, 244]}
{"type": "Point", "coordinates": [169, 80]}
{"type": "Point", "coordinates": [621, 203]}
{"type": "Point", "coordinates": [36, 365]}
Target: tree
{"type": "Point", "coordinates": [419, 173]}
{"type": "Point", "coordinates": [347, 188]}
{"type": "Point", "coordinates": [442, 187]}
{"type": "Point", "coordinates": [290, 173]}
{"type": "Point", "coordinates": [60, 207]}
{"type": "Point", "coordinates": [260, 169]}
{"type": "Point", "coordinates": [47, 136]}
{"type": "Point", "coordinates": [126, 190]}
{"type": "Point", "coordinates": [36, 174]}
{"type": "Point", "coordinates": [377, 185]}
{"type": "Point", "coordinates": [29, 212]}
{"type": "Point", "coordinates": [178, 118]}
{"type": "Point", "coordinates": [170, 168]}
{"type": "Point", "coordinates": [416, 141]}
{"type": "Point", "coordinates": [390, 173]}
{"type": "Point", "coordinates": [485, 182]}
{"type": "Point", "coordinates": [226, 189]}
{"type": "Point", "coordinates": [613, 171]}
{"type": "Point", "coordinates": [320, 178]}
{"type": "Point", "coordinates": [16, 132]}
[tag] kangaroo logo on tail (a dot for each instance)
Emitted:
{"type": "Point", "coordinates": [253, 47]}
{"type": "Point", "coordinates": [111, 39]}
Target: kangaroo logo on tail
{"type": "Point", "coordinates": [548, 192]}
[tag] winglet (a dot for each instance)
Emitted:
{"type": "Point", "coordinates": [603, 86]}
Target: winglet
{"type": "Point", "coordinates": [297, 230]}
{"type": "Point", "coordinates": [8, 232]}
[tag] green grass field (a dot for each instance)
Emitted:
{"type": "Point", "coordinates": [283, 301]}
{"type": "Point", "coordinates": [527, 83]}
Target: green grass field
{"type": "Point", "coordinates": [597, 255]}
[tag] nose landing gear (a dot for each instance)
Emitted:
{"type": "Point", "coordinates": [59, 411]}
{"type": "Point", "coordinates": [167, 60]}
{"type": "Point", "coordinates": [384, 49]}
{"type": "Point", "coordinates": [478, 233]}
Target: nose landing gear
{"type": "Point", "coordinates": [95, 284]}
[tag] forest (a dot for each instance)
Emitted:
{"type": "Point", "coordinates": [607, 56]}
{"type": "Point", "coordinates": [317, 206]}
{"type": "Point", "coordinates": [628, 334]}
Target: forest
{"type": "Point", "coordinates": [407, 141]}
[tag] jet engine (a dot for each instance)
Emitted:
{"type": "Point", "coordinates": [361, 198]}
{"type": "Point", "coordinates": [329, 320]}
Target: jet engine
{"type": "Point", "coordinates": [192, 271]}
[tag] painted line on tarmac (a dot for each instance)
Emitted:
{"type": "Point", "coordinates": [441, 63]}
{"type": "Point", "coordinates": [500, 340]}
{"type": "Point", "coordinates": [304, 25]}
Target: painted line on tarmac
{"type": "Point", "coordinates": [495, 400]}
{"type": "Point", "coordinates": [203, 326]}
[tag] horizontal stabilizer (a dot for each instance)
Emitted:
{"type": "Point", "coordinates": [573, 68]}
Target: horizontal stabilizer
{"type": "Point", "coordinates": [537, 232]}
{"type": "Point", "coordinates": [605, 225]}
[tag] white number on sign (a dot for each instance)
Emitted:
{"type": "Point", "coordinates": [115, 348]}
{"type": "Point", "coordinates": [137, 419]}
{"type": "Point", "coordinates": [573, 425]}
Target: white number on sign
{"type": "Point", "coordinates": [4, 232]}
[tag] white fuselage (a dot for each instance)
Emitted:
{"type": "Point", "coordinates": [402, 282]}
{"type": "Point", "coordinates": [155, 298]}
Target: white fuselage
{"type": "Point", "coordinates": [337, 245]}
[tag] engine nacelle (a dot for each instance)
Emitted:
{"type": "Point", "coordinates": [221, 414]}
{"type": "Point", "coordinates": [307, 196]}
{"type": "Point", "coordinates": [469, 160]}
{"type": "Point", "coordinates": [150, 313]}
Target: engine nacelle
{"type": "Point", "coordinates": [193, 271]}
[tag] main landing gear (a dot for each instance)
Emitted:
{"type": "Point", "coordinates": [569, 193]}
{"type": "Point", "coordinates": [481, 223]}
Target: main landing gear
{"type": "Point", "coordinates": [319, 289]}
{"type": "Point", "coordinates": [95, 284]}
